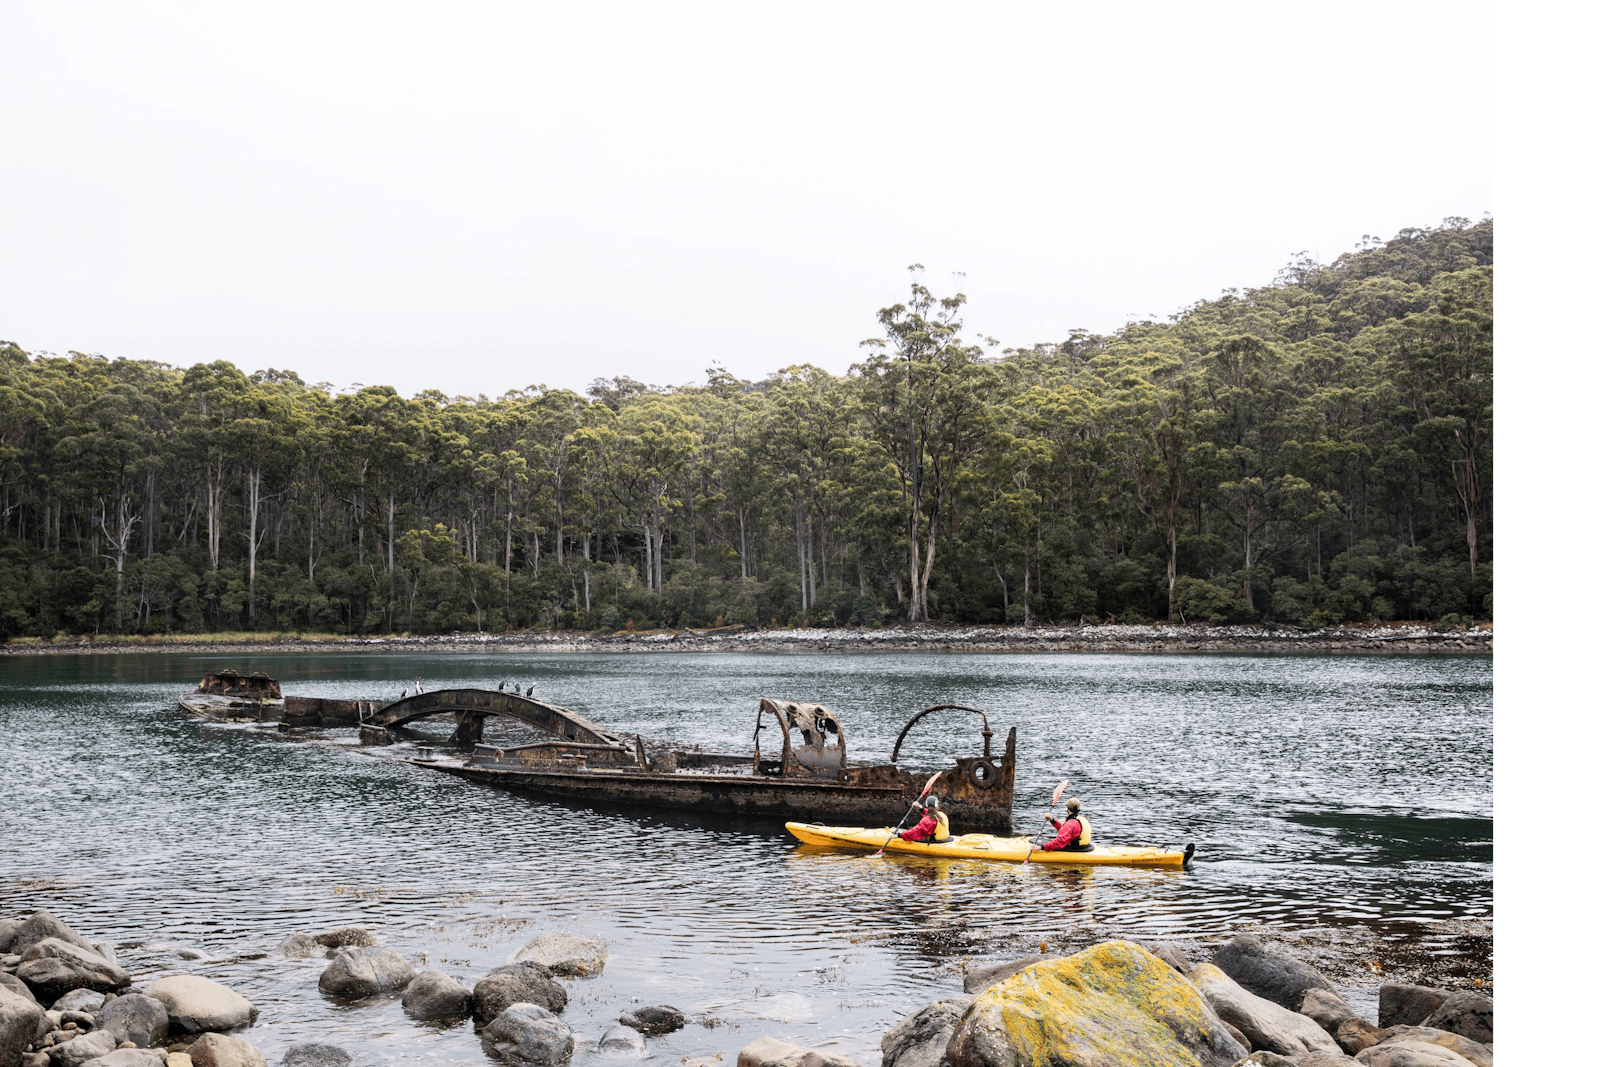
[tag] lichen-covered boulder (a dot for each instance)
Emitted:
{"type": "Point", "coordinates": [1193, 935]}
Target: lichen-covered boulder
{"type": "Point", "coordinates": [1106, 1006]}
{"type": "Point", "coordinates": [364, 972]}
{"type": "Point", "coordinates": [567, 955]}
{"type": "Point", "coordinates": [1265, 1024]}
{"type": "Point", "coordinates": [526, 1034]}
{"type": "Point", "coordinates": [1465, 1012]}
{"type": "Point", "coordinates": [1249, 962]}
{"type": "Point", "coordinates": [196, 1004]}
{"type": "Point", "coordinates": [919, 1040]}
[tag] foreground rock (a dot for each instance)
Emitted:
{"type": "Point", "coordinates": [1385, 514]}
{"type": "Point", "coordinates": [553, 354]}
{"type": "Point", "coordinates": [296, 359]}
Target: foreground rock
{"type": "Point", "coordinates": [81, 1050]}
{"type": "Point", "coordinates": [1305, 1059]}
{"type": "Point", "coordinates": [919, 1040]}
{"type": "Point", "coordinates": [1467, 1013]}
{"type": "Point", "coordinates": [41, 926]}
{"type": "Point", "coordinates": [15, 985]}
{"type": "Point", "coordinates": [1400, 1004]}
{"type": "Point", "coordinates": [567, 955]}
{"type": "Point", "coordinates": [516, 983]}
{"type": "Point", "coordinates": [770, 1052]}
{"type": "Point", "coordinates": [220, 1050]}
{"type": "Point", "coordinates": [51, 967]}
{"type": "Point", "coordinates": [1327, 1009]}
{"type": "Point", "coordinates": [1411, 1054]}
{"type": "Point", "coordinates": [435, 995]}
{"type": "Point", "coordinates": [138, 1057]}
{"type": "Point", "coordinates": [365, 972]}
{"type": "Point", "coordinates": [22, 1022]}
{"type": "Point", "coordinates": [1464, 1047]}
{"type": "Point", "coordinates": [315, 1054]}
{"type": "Point", "coordinates": [661, 1019]}
{"type": "Point", "coordinates": [1108, 1005]}
{"type": "Point", "coordinates": [134, 1017]}
{"type": "Point", "coordinates": [529, 1034]}
{"type": "Point", "coordinates": [198, 1005]}
{"type": "Point", "coordinates": [1266, 1025]}
{"type": "Point", "coordinates": [1277, 978]}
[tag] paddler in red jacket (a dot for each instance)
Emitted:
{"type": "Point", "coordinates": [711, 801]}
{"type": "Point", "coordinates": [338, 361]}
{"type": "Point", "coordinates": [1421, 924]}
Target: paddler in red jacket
{"type": "Point", "coordinates": [934, 825]}
{"type": "Point", "coordinates": [1072, 833]}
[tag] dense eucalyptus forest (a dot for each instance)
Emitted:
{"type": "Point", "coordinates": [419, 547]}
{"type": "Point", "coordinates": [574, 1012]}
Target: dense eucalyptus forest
{"type": "Point", "coordinates": [1316, 451]}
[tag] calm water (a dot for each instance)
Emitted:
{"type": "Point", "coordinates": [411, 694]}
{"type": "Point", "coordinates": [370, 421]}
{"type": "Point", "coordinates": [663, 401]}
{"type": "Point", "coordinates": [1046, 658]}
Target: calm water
{"type": "Point", "coordinates": [1343, 794]}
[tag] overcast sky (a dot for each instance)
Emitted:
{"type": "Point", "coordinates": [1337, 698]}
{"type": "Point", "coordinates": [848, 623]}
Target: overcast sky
{"type": "Point", "coordinates": [478, 197]}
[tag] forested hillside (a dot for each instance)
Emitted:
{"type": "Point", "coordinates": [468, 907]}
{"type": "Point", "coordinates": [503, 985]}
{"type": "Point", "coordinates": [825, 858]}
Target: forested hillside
{"type": "Point", "coordinates": [1317, 450]}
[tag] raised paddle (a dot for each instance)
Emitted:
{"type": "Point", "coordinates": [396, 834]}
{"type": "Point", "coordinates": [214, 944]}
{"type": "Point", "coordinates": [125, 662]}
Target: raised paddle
{"type": "Point", "coordinates": [1055, 798]}
{"type": "Point", "coordinates": [909, 810]}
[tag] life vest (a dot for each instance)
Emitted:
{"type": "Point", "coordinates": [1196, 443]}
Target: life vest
{"type": "Point", "coordinates": [1083, 837]}
{"type": "Point", "coordinates": [941, 832]}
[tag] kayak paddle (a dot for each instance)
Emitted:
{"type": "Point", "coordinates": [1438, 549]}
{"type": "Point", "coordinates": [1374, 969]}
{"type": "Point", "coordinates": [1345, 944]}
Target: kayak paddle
{"type": "Point", "coordinates": [1055, 798]}
{"type": "Point", "coordinates": [909, 810]}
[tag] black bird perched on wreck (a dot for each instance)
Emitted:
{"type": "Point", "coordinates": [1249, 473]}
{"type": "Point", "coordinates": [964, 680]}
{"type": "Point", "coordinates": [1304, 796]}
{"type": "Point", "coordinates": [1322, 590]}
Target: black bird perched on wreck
{"type": "Point", "coordinates": [502, 687]}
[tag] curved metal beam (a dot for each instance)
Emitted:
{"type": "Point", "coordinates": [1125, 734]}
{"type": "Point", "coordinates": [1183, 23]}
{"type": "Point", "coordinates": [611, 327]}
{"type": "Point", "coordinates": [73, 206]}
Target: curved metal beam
{"type": "Point", "coordinates": [894, 757]}
{"type": "Point", "coordinates": [550, 718]}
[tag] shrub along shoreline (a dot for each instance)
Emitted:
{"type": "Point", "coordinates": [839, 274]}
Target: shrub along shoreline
{"type": "Point", "coordinates": [1372, 639]}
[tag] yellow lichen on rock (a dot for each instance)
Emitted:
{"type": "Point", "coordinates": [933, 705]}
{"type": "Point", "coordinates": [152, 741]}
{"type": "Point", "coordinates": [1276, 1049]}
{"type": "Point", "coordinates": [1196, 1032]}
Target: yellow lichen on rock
{"type": "Point", "coordinates": [1107, 1006]}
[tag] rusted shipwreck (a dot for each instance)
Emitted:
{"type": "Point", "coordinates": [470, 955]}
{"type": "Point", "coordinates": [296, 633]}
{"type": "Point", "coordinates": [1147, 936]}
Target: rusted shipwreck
{"type": "Point", "coordinates": [229, 696]}
{"type": "Point", "coordinates": [803, 774]}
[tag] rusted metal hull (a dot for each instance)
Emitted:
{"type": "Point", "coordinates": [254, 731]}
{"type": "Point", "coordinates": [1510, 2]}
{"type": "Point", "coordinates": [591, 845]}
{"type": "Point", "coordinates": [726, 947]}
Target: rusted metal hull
{"type": "Point", "coordinates": [976, 792]}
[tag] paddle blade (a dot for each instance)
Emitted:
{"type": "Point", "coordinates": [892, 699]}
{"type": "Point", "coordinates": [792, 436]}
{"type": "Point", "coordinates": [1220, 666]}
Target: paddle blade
{"type": "Point", "coordinates": [929, 786]}
{"type": "Point", "coordinates": [1055, 798]}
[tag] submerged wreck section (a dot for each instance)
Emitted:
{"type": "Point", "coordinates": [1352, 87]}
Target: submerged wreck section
{"type": "Point", "coordinates": [805, 776]}
{"type": "Point", "coordinates": [228, 696]}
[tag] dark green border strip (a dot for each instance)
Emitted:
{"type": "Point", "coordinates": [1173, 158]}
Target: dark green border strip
{"type": "Point", "coordinates": [1546, 535]}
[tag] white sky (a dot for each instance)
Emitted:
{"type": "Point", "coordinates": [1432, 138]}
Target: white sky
{"type": "Point", "coordinates": [480, 197]}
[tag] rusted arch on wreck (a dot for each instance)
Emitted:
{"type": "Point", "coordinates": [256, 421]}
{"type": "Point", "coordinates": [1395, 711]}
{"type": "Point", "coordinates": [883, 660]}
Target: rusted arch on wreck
{"type": "Point", "coordinates": [988, 734]}
{"type": "Point", "coordinates": [813, 755]}
{"type": "Point", "coordinates": [471, 706]}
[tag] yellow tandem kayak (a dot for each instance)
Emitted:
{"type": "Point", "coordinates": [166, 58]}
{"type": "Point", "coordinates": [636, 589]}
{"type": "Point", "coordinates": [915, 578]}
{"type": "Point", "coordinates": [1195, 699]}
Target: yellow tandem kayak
{"type": "Point", "coordinates": [986, 847]}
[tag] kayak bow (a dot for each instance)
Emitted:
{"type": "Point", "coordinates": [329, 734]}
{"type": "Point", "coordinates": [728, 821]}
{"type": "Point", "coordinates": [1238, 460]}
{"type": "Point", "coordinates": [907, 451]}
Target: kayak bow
{"type": "Point", "coordinates": [986, 847]}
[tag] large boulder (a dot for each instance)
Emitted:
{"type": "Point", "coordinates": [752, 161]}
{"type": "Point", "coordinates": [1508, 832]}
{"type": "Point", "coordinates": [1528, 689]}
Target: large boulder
{"type": "Point", "coordinates": [51, 967]}
{"type": "Point", "coordinates": [1464, 1047]}
{"type": "Point", "coordinates": [134, 1057]}
{"type": "Point", "coordinates": [80, 1050]}
{"type": "Point", "coordinates": [529, 1034]}
{"type": "Point", "coordinates": [135, 1017]}
{"type": "Point", "coordinates": [1111, 1004]}
{"type": "Point", "coordinates": [1400, 1004]}
{"type": "Point", "coordinates": [315, 1054]}
{"type": "Point", "coordinates": [195, 1005]}
{"type": "Point", "coordinates": [657, 1019]}
{"type": "Point", "coordinates": [1465, 1012]}
{"type": "Point", "coordinates": [919, 1040]}
{"type": "Point", "coordinates": [566, 955]}
{"type": "Point", "coordinates": [770, 1052]}
{"type": "Point", "coordinates": [1277, 978]}
{"type": "Point", "coordinates": [364, 972]}
{"type": "Point", "coordinates": [1267, 1025]}
{"type": "Point", "coordinates": [516, 983]}
{"type": "Point", "coordinates": [42, 925]}
{"type": "Point", "coordinates": [1411, 1054]}
{"type": "Point", "coordinates": [221, 1050]}
{"type": "Point", "coordinates": [435, 995]}
{"type": "Point", "coordinates": [22, 1022]}
{"type": "Point", "coordinates": [1327, 1009]}
{"type": "Point", "coordinates": [20, 988]}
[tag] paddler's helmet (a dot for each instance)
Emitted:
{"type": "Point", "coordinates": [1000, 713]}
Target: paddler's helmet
{"type": "Point", "coordinates": [931, 802]}
{"type": "Point", "coordinates": [1073, 804]}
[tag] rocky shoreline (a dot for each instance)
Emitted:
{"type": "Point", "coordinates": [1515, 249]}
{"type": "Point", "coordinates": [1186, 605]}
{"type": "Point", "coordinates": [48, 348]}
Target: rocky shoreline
{"type": "Point", "coordinates": [1375, 639]}
{"type": "Point", "coordinates": [65, 1001]}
